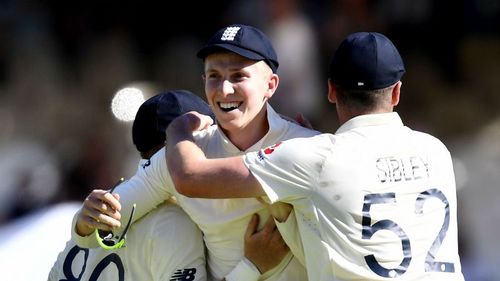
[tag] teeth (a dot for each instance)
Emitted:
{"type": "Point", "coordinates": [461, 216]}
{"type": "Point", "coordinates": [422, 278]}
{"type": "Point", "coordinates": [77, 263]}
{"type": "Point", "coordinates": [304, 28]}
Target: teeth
{"type": "Point", "coordinates": [227, 105]}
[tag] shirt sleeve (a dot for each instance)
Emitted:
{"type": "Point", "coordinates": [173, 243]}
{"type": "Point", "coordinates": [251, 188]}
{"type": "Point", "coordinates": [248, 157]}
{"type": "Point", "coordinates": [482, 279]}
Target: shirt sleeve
{"type": "Point", "coordinates": [148, 188]}
{"type": "Point", "coordinates": [287, 171]}
{"type": "Point", "coordinates": [245, 270]}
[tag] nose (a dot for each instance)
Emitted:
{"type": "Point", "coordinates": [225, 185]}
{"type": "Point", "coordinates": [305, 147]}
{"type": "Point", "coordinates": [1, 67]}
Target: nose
{"type": "Point", "coordinates": [227, 88]}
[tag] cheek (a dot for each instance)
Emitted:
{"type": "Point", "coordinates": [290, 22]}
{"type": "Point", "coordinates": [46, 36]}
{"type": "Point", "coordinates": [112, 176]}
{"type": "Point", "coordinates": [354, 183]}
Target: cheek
{"type": "Point", "coordinates": [209, 91]}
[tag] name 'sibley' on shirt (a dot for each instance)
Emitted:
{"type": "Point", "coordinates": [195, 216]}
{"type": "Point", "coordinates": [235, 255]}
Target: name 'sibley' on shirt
{"type": "Point", "coordinates": [395, 169]}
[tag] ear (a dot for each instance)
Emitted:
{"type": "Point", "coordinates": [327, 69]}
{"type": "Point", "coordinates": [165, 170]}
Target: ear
{"type": "Point", "coordinates": [396, 93]}
{"type": "Point", "coordinates": [272, 85]}
{"type": "Point", "coordinates": [332, 91]}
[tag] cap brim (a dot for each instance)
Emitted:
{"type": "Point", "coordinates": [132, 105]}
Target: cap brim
{"type": "Point", "coordinates": [207, 50]}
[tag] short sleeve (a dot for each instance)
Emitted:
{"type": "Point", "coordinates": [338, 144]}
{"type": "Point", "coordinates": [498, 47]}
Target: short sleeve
{"type": "Point", "coordinates": [288, 170]}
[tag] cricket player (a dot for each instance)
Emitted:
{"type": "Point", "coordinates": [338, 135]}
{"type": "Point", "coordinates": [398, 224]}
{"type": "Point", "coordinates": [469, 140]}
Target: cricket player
{"type": "Point", "coordinates": [374, 201]}
{"type": "Point", "coordinates": [240, 77]}
{"type": "Point", "coordinates": [165, 244]}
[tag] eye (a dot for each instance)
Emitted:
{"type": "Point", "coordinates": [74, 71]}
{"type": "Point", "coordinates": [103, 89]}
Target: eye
{"type": "Point", "coordinates": [212, 75]}
{"type": "Point", "coordinates": [238, 76]}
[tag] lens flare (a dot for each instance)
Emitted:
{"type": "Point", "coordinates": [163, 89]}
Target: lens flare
{"type": "Point", "coordinates": [126, 102]}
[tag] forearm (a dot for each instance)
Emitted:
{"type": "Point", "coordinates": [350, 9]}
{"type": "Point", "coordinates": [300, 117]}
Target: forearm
{"type": "Point", "coordinates": [141, 192]}
{"type": "Point", "coordinates": [196, 176]}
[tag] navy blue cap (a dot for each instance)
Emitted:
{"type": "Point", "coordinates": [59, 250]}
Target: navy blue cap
{"type": "Point", "coordinates": [156, 113]}
{"type": "Point", "coordinates": [366, 61]}
{"type": "Point", "coordinates": [246, 41]}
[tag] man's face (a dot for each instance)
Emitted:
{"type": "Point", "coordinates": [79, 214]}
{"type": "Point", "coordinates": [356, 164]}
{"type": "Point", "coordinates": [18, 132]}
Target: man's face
{"type": "Point", "coordinates": [237, 89]}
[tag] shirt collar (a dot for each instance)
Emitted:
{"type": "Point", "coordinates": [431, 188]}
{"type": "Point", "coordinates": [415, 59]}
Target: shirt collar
{"type": "Point", "coordinates": [391, 118]}
{"type": "Point", "coordinates": [277, 127]}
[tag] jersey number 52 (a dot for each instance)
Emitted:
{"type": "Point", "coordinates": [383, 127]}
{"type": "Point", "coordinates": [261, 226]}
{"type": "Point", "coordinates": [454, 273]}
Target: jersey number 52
{"type": "Point", "coordinates": [369, 230]}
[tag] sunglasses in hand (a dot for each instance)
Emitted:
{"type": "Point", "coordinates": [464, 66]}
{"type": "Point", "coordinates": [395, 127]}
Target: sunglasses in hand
{"type": "Point", "coordinates": [108, 240]}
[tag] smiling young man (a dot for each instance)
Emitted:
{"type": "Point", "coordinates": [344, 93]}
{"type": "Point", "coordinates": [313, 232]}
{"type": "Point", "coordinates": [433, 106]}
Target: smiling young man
{"type": "Point", "coordinates": [374, 201]}
{"type": "Point", "coordinates": [240, 77]}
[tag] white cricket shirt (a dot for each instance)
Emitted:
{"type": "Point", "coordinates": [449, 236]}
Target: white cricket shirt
{"type": "Point", "coordinates": [223, 221]}
{"type": "Point", "coordinates": [375, 201]}
{"type": "Point", "coordinates": [164, 245]}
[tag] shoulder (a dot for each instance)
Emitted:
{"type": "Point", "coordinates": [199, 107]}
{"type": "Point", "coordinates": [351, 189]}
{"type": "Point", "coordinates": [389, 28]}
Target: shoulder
{"type": "Point", "coordinates": [300, 131]}
{"type": "Point", "coordinates": [169, 220]}
{"type": "Point", "coordinates": [157, 160]}
{"type": "Point", "coordinates": [429, 141]}
{"type": "Point", "coordinates": [299, 150]}
{"type": "Point", "coordinates": [310, 143]}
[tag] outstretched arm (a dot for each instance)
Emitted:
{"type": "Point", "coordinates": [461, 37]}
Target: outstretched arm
{"type": "Point", "coordinates": [196, 176]}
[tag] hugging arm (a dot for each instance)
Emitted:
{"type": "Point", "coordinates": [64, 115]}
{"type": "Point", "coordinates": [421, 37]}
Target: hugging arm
{"type": "Point", "coordinates": [196, 176]}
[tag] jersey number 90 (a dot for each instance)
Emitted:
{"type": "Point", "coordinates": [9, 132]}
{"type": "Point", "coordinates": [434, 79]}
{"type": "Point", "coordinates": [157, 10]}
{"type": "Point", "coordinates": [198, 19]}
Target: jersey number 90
{"type": "Point", "coordinates": [111, 258]}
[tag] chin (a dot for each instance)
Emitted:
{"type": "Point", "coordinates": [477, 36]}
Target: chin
{"type": "Point", "coordinates": [229, 125]}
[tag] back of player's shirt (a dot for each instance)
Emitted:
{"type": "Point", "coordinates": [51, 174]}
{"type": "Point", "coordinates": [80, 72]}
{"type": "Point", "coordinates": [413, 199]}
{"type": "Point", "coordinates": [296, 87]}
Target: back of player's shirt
{"type": "Point", "coordinates": [164, 245]}
{"type": "Point", "coordinates": [375, 201]}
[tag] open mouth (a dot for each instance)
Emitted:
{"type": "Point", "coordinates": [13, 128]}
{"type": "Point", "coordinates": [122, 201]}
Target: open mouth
{"type": "Point", "coordinates": [229, 106]}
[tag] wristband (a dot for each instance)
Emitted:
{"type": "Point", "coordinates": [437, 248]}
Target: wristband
{"type": "Point", "coordinates": [244, 271]}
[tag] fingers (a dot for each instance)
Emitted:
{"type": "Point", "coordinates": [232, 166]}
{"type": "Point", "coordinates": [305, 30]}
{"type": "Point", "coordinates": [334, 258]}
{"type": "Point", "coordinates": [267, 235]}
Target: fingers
{"type": "Point", "coordinates": [103, 201]}
{"type": "Point", "coordinates": [252, 226]}
{"type": "Point", "coordinates": [265, 248]}
{"type": "Point", "coordinates": [274, 234]}
{"type": "Point", "coordinates": [270, 225]}
{"type": "Point", "coordinates": [199, 121]}
{"type": "Point", "coordinates": [100, 210]}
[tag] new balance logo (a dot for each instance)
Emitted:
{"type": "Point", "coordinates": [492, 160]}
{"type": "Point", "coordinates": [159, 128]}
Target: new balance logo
{"type": "Point", "coordinates": [230, 33]}
{"type": "Point", "coordinates": [183, 274]}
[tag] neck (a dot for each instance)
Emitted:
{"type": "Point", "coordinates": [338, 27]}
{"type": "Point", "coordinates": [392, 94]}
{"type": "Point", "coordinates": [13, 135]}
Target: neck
{"type": "Point", "coordinates": [244, 137]}
{"type": "Point", "coordinates": [345, 118]}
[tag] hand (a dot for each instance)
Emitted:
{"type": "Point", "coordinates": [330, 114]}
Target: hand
{"type": "Point", "coordinates": [100, 210]}
{"type": "Point", "coordinates": [191, 121]}
{"type": "Point", "coordinates": [302, 121]}
{"type": "Point", "coordinates": [264, 248]}
{"type": "Point", "coordinates": [279, 210]}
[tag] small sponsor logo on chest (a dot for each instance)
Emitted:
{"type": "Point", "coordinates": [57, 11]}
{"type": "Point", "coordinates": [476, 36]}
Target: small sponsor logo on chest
{"type": "Point", "coordinates": [184, 274]}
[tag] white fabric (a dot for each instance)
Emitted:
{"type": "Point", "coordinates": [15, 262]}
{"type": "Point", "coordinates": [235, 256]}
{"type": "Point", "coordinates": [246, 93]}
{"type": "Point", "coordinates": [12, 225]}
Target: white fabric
{"type": "Point", "coordinates": [223, 221]}
{"type": "Point", "coordinates": [164, 245]}
{"type": "Point", "coordinates": [244, 271]}
{"type": "Point", "coordinates": [344, 189]}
